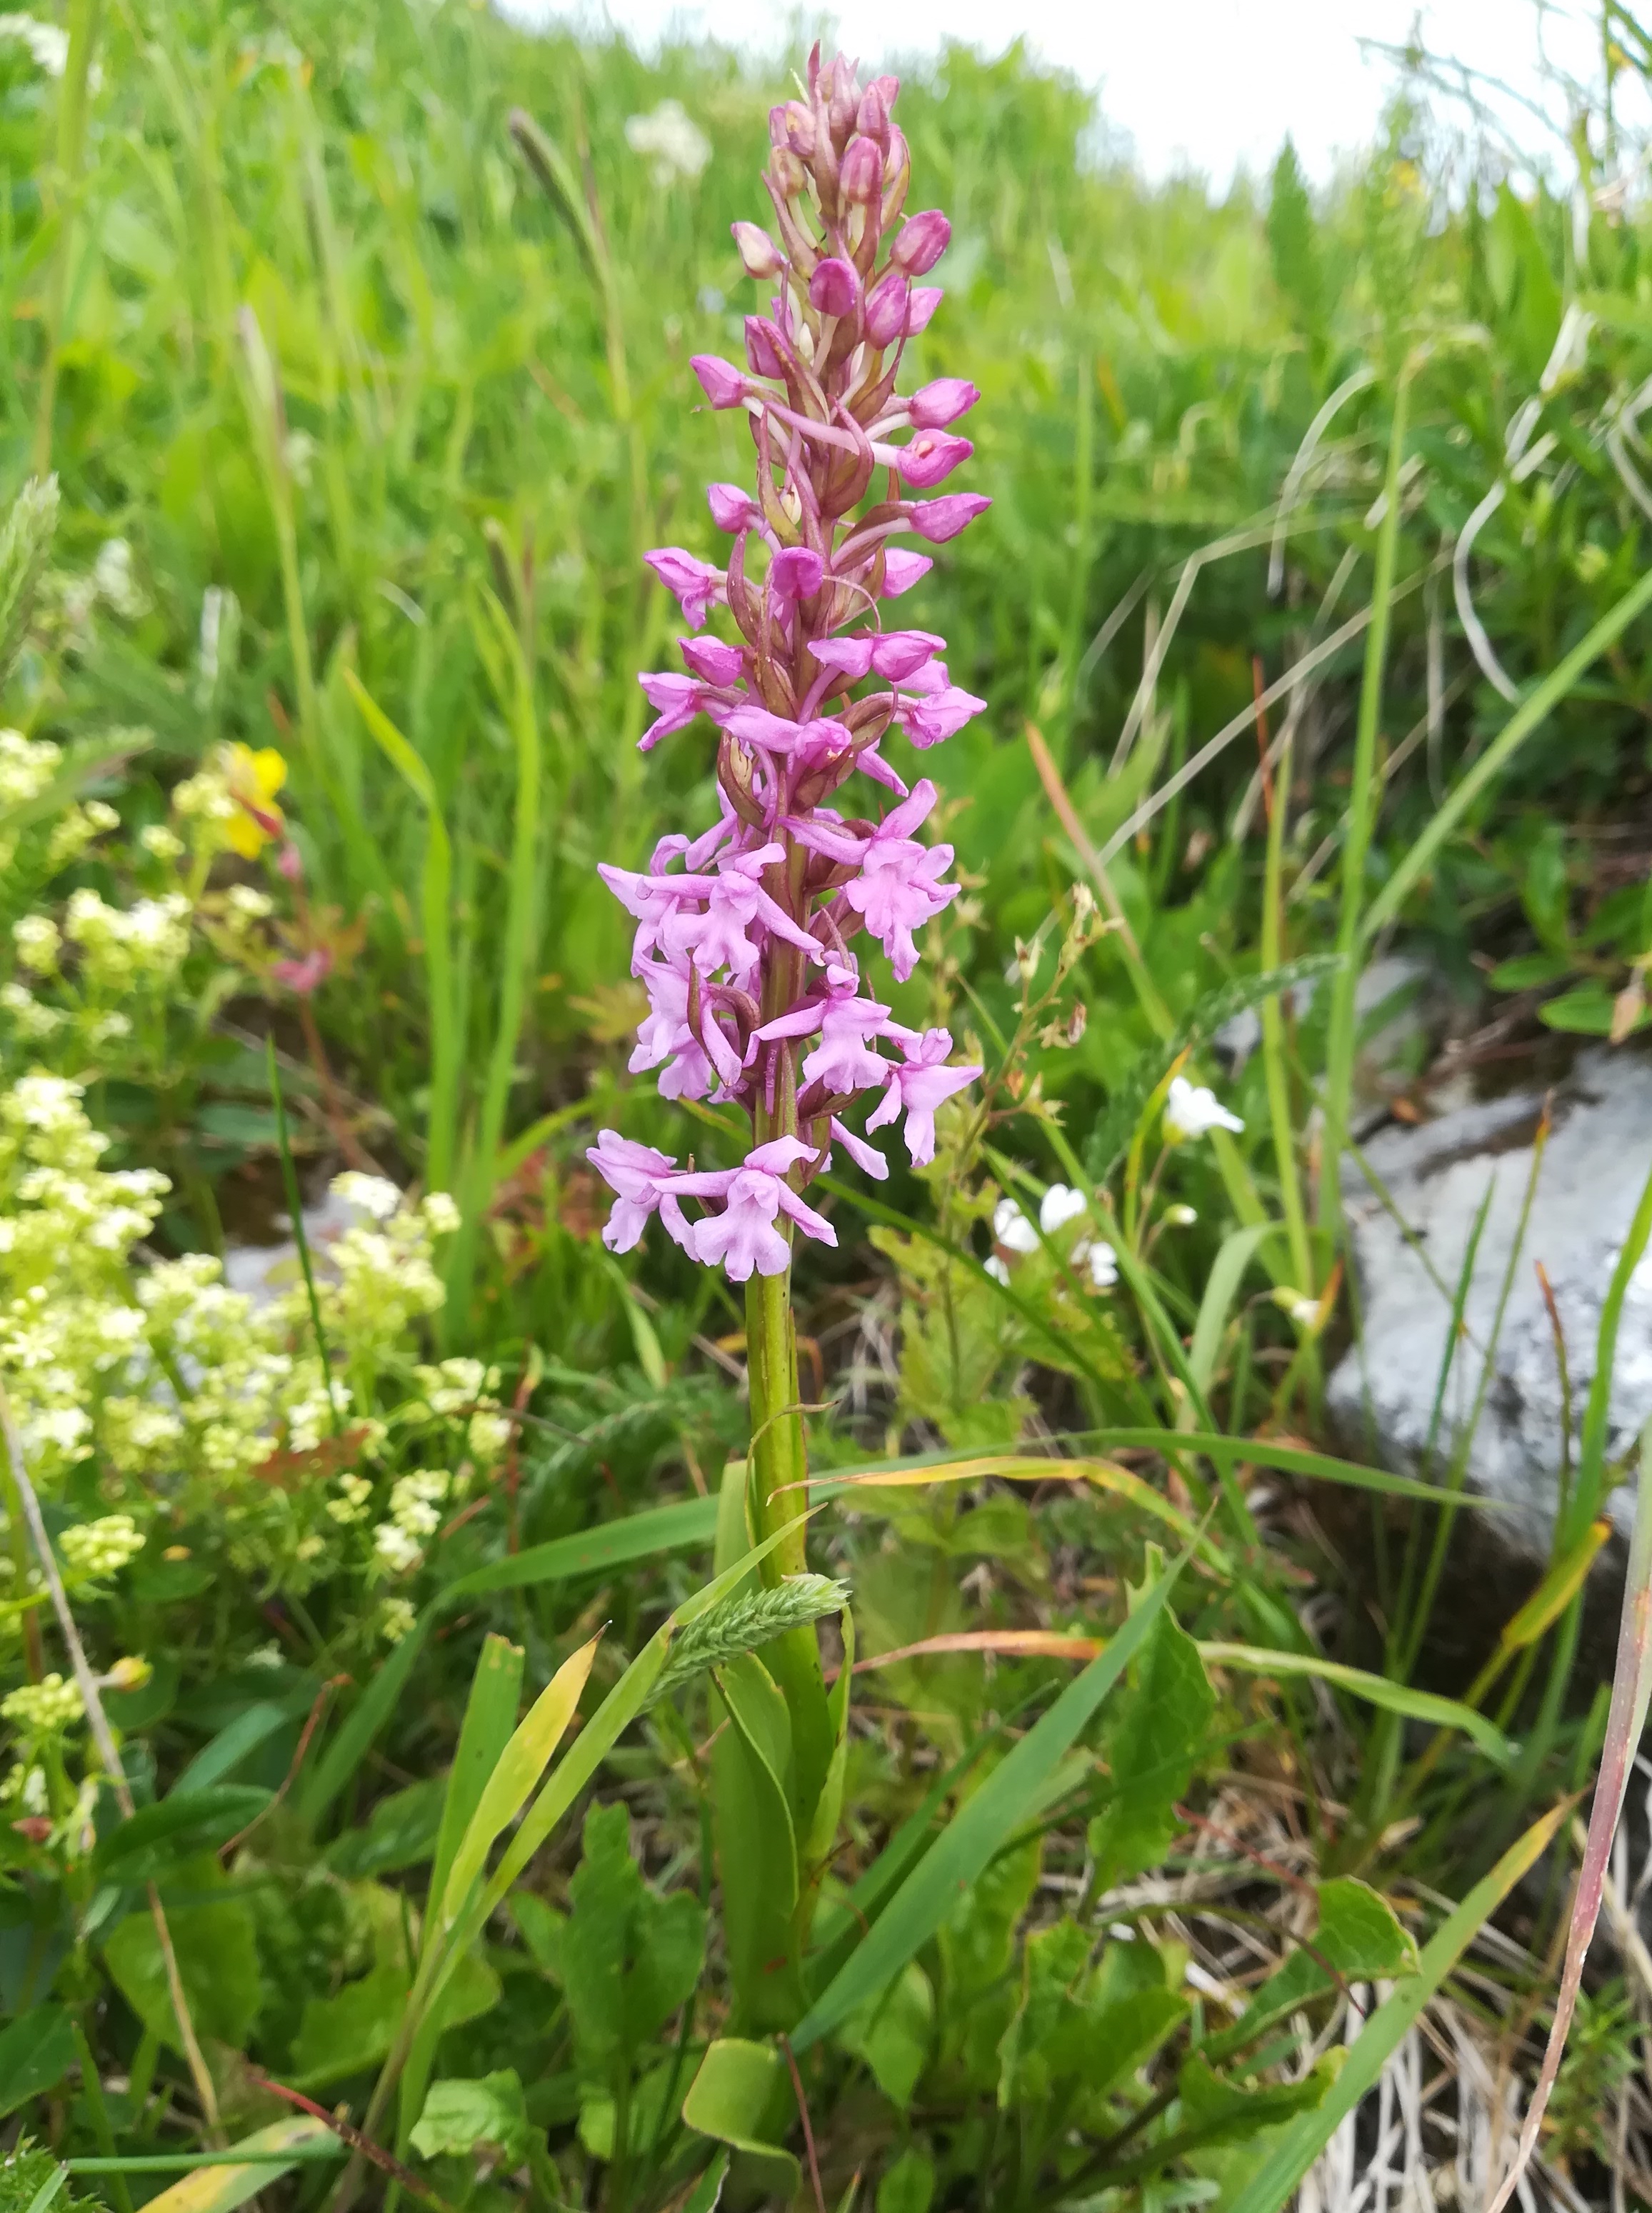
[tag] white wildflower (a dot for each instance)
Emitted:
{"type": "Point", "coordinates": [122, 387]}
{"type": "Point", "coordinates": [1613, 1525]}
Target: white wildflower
{"type": "Point", "coordinates": [34, 1020]}
{"type": "Point", "coordinates": [1193, 1111]}
{"type": "Point", "coordinates": [1099, 1258]}
{"type": "Point", "coordinates": [374, 1196]}
{"type": "Point", "coordinates": [395, 1550]}
{"type": "Point", "coordinates": [39, 942]}
{"type": "Point", "coordinates": [1012, 1229]}
{"type": "Point", "coordinates": [246, 903]}
{"type": "Point", "coordinates": [997, 1269]}
{"type": "Point", "coordinates": [45, 1708]}
{"type": "Point", "coordinates": [101, 1548]}
{"type": "Point", "coordinates": [1061, 1205]}
{"type": "Point", "coordinates": [487, 1435]}
{"type": "Point", "coordinates": [670, 142]}
{"type": "Point", "coordinates": [47, 43]}
{"type": "Point", "coordinates": [27, 764]}
{"type": "Point", "coordinates": [164, 844]}
{"type": "Point", "coordinates": [1180, 1217]}
{"type": "Point", "coordinates": [396, 1618]}
{"type": "Point", "coordinates": [441, 1214]}
{"type": "Point", "coordinates": [112, 573]}
{"type": "Point", "coordinates": [351, 1504]}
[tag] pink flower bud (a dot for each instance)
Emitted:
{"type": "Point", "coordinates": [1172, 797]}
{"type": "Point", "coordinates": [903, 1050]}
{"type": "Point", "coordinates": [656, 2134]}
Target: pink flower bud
{"type": "Point", "coordinates": [926, 298]}
{"type": "Point", "coordinates": [860, 176]}
{"type": "Point", "coordinates": [796, 573]}
{"type": "Point", "coordinates": [938, 520]}
{"type": "Point", "coordinates": [900, 654]}
{"type": "Point", "coordinates": [901, 569]}
{"type": "Point", "coordinates": [888, 305]}
{"type": "Point", "coordinates": [760, 349]}
{"type": "Point", "coordinates": [792, 126]}
{"type": "Point", "coordinates": [930, 457]}
{"type": "Point", "coordinates": [725, 387]}
{"type": "Point", "coordinates": [921, 241]}
{"type": "Point", "coordinates": [290, 862]}
{"type": "Point", "coordinates": [934, 406]}
{"type": "Point", "coordinates": [305, 976]}
{"type": "Point", "coordinates": [759, 254]}
{"type": "Point", "coordinates": [713, 661]}
{"type": "Point", "coordinates": [835, 287]}
{"type": "Point", "coordinates": [873, 114]}
{"type": "Point", "coordinates": [733, 508]}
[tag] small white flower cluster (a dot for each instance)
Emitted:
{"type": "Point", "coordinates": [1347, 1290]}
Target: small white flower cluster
{"type": "Point", "coordinates": [466, 1386]}
{"type": "Point", "coordinates": [122, 949]}
{"type": "Point", "coordinates": [27, 766]}
{"type": "Point", "coordinates": [205, 799]}
{"type": "Point", "coordinates": [44, 1709]}
{"type": "Point", "coordinates": [97, 1550]}
{"type": "Point", "coordinates": [415, 1515]}
{"type": "Point", "coordinates": [670, 142]}
{"type": "Point", "coordinates": [182, 1387]}
{"type": "Point", "coordinates": [1060, 1205]}
{"type": "Point", "coordinates": [47, 43]}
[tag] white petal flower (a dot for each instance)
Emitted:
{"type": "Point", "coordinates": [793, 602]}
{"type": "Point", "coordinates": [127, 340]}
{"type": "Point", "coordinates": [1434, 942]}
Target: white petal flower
{"type": "Point", "coordinates": [671, 143]}
{"type": "Point", "coordinates": [1193, 1111]}
{"type": "Point", "coordinates": [997, 1269]}
{"type": "Point", "coordinates": [1098, 1257]}
{"type": "Point", "coordinates": [48, 46]}
{"type": "Point", "coordinates": [374, 1196]}
{"type": "Point", "coordinates": [1012, 1229]}
{"type": "Point", "coordinates": [1061, 1205]}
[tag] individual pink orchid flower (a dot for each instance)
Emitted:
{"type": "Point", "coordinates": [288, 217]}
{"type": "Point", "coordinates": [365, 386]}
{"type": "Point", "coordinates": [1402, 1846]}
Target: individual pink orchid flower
{"type": "Point", "coordinates": [918, 1087]}
{"type": "Point", "coordinates": [744, 1236]}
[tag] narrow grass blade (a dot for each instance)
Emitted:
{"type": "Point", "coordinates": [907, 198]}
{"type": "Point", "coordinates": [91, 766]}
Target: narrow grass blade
{"type": "Point", "coordinates": [1375, 1689]}
{"type": "Point", "coordinates": [1632, 1692]}
{"type": "Point", "coordinates": [484, 1737]}
{"type": "Point", "coordinates": [1364, 792]}
{"type": "Point", "coordinates": [338, 1764]}
{"type": "Point", "coordinates": [1287, 1460]}
{"type": "Point", "coordinates": [242, 1737]}
{"type": "Point", "coordinates": [690, 1522]}
{"type": "Point", "coordinates": [1534, 709]}
{"type": "Point", "coordinates": [1236, 1252]}
{"type": "Point", "coordinates": [1018, 1467]}
{"type": "Point", "coordinates": [218, 2187]}
{"type": "Point", "coordinates": [435, 907]}
{"type": "Point", "coordinates": [1275, 2182]}
{"type": "Point", "coordinates": [977, 1830]}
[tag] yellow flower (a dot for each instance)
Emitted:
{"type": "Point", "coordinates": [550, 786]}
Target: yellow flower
{"type": "Point", "coordinates": [255, 778]}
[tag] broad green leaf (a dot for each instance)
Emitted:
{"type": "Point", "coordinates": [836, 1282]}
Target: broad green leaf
{"type": "Point", "coordinates": [894, 2034]}
{"type": "Point", "coordinates": [152, 1843]}
{"type": "Point", "coordinates": [627, 1960]}
{"type": "Point", "coordinates": [400, 1832]}
{"type": "Point", "coordinates": [484, 2112]}
{"type": "Point", "coordinates": [738, 2099]}
{"type": "Point", "coordinates": [1358, 1934]}
{"type": "Point", "coordinates": [222, 2189]}
{"type": "Point", "coordinates": [977, 1945]}
{"type": "Point", "coordinates": [908, 2186]}
{"type": "Point", "coordinates": [1218, 2112]}
{"type": "Point", "coordinates": [216, 1944]}
{"type": "Point", "coordinates": [978, 1831]}
{"type": "Point", "coordinates": [1153, 1745]}
{"type": "Point", "coordinates": [352, 2029]}
{"type": "Point", "coordinates": [37, 2051]}
{"type": "Point", "coordinates": [757, 1844]}
{"type": "Point", "coordinates": [1271, 2185]}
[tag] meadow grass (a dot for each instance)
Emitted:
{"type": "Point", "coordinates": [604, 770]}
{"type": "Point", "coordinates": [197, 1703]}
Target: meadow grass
{"type": "Point", "coordinates": [366, 332]}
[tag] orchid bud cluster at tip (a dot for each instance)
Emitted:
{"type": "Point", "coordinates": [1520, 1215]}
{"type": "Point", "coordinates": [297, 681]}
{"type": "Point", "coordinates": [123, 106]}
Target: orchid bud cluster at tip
{"type": "Point", "coordinates": [746, 936]}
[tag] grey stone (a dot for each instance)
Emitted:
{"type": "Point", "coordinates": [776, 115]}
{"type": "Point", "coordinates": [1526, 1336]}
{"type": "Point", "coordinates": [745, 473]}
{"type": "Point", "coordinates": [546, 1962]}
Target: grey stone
{"type": "Point", "coordinates": [1437, 1176]}
{"type": "Point", "coordinates": [267, 1273]}
{"type": "Point", "coordinates": [1403, 989]}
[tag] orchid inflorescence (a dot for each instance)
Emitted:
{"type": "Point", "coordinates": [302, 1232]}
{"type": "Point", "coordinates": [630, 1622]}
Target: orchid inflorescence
{"type": "Point", "coordinates": [744, 933]}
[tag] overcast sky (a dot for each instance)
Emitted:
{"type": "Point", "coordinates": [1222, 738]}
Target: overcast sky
{"type": "Point", "coordinates": [1200, 83]}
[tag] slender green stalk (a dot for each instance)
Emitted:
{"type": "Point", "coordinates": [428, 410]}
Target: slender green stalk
{"type": "Point", "coordinates": [1363, 797]}
{"type": "Point", "coordinates": [295, 1209]}
{"type": "Point", "coordinates": [1275, 1066]}
{"type": "Point", "coordinates": [84, 17]}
